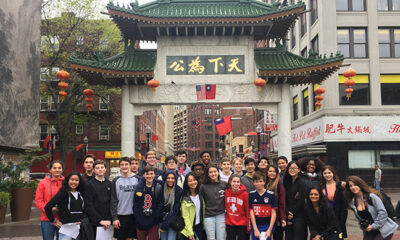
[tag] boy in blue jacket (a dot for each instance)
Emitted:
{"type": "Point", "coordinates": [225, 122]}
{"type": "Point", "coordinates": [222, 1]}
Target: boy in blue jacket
{"type": "Point", "coordinates": [148, 205]}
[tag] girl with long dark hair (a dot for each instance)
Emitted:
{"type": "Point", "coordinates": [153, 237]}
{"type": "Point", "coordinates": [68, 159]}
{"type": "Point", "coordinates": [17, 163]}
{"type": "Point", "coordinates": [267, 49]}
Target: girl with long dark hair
{"type": "Point", "coordinates": [192, 208]}
{"type": "Point", "coordinates": [69, 202]}
{"type": "Point", "coordinates": [46, 190]}
{"type": "Point", "coordinates": [333, 191]}
{"type": "Point", "coordinates": [213, 192]}
{"type": "Point", "coordinates": [366, 202]}
{"type": "Point", "coordinates": [320, 217]}
{"type": "Point", "coordinates": [274, 185]}
{"type": "Point", "coordinates": [295, 187]}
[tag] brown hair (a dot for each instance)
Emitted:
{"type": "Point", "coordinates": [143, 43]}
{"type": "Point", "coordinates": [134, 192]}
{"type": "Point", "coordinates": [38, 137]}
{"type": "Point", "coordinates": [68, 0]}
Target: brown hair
{"type": "Point", "coordinates": [97, 162]}
{"type": "Point", "coordinates": [365, 189]}
{"type": "Point", "coordinates": [272, 184]}
{"type": "Point", "coordinates": [231, 178]}
{"type": "Point", "coordinates": [237, 160]}
{"type": "Point", "coordinates": [335, 176]}
{"type": "Point", "coordinates": [133, 158]}
{"type": "Point", "coordinates": [207, 178]}
{"type": "Point", "coordinates": [169, 158]}
{"type": "Point", "coordinates": [151, 153]}
{"type": "Point", "coordinates": [258, 176]}
{"type": "Point", "coordinates": [149, 169]}
{"type": "Point", "coordinates": [225, 159]}
{"type": "Point", "coordinates": [90, 156]}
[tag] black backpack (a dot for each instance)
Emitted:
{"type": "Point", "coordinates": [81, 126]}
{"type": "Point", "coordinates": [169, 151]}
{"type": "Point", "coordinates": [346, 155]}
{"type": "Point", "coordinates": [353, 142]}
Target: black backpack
{"type": "Point", "coordinates": [387, 202]}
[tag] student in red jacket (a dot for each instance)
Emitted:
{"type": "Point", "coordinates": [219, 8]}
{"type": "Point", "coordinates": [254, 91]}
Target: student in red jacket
{"type": "Point", "coordinates": [237, 209]}
{"type": "Point", "coordinates": [45, 191]}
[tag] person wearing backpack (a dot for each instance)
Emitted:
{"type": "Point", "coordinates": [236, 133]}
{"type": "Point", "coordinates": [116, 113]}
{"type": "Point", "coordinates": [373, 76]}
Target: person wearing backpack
{"type": "Point", "coordinates": [371, 214]}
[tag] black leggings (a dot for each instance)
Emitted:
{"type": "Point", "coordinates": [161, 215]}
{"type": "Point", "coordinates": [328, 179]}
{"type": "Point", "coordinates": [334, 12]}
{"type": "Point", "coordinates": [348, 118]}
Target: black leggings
{"type": "Point", "coordinates": [296, 231]}
{"type": "Point", "coordinates": [278, 232]}
{"type": "Point", "coordinates": [236, 232]}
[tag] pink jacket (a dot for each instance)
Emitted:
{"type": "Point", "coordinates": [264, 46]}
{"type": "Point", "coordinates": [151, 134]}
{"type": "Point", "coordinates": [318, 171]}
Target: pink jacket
{"type": "Point", "coordinates": [45, 191]}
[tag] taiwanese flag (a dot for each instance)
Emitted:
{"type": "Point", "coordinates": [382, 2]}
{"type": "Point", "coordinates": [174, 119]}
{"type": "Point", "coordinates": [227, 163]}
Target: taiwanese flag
{"type": "Point", "coordinates": [223, 125]}
{"type": "Point", "coordinates": [206, 91]}
{"type": "Point", "coordinates": [154, 138]}
{"type": "Point", "coordinates": [210, 91]}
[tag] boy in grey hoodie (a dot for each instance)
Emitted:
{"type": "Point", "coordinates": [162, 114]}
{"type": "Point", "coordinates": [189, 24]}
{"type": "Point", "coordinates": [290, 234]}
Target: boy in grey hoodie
{"type": "Point", "coordinates": [122, 194]}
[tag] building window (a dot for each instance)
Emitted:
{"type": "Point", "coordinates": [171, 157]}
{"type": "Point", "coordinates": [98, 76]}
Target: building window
{"type": "Point", "coordinates": [216, 111]}
{"type": "Point", "coordinates": [388, 158]}
{"type": "Point", "coordinates": [367, 156]}
{"type": "Point", "coordinates": [314, 44]}
{"type": "Point", "coordinates": [208, 136]}
{"type": "Point", "coordinates": [293, 37]}
{"type": "Point", "coordinates": [104, 103]}
{"type": "Point", "coordinates": [388, 5]}
{"type": "Point", "coordinates": [390, 89]}
{"type": "Point", "coordinates": [295, 108]}
{"type": "Point", "coordinates": [43, 131]}
{"type": "Point", "coordinates": [79, 40]}
{"type": "Point", "coordinates": [53, 103]}
{"type": "Point", "coordinates": [350, 5]}
{"type": "Point", "coordinates": [306, 108]}
{"type": "Point", "coordinates": [46, 74]}
{"type": "Point", "coordinates": [361, 93]}
{"type": "Point", "coordinates": [315, 86]}
{"type": "Point", "coordinates": [104, 132]}
{"type": "Point", "coordinates": [304, 52]}
{"type": "Point", "coordinates": [79, 129]}
{"type": "Point", "coordinates": [209, 145]}
{"type": "Point", "coordinates": [44, 103]}
{"type": "Point", "coordinates": [208, 127]}
{"type": "Point", "coordinates": [208, 111]}
{"type": "Point", "coordinates": [389, 42]}
{"type": "Point", "coordinates": [303, 24]}
{"type": "Point", "coordinates": [314, 11]}
{"type": "Point", "coordinates": [352, 42]}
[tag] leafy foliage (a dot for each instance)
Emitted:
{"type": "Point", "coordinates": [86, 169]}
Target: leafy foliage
{"type": "Point", "coordinates": [5, 198]}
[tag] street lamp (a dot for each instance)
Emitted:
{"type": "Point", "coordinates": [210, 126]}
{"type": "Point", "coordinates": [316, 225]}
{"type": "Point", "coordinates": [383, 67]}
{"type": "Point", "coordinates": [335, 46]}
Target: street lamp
{"type": "Point", "coordinates": [86, 141]}
{"type": "Point", "coordinates": [148, 131]}
{"type": "Point", "coordinates": [258, 130]}
{"type": "Point", "coordinates": [252, 145]}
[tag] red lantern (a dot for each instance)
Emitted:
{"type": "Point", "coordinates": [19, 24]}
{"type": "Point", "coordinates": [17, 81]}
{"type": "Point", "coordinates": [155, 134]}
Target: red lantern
{"type": "Point", "coordinates": [88, 99]}
{"type": "Point", "coordinates": [62, 95]}
{"type": "Point", "coordinates": [63, 85]}
{"type": "Point", "coordinates": [319, 91]}
{"type": "Point", "coordinates": [318, 104]}
{"type": "Point", "coordinates": [88, 92]}
{"type": "Point", "coordinates": [349, 73]}
{"type": "Point", "coordinates": [259, 82]}
{"type": "Point", "coordinates": [349, 82]}
{"type": "Point", "coordinates": [89, 106]}
{"type": "Point", "coordinates": [153, 84]}
{"type": "Point", "coordinates": [348, 93]}
{"type": "Point", "coordinates": [319, 98]}
{"type": "Point", "coordinates": [63, 75]}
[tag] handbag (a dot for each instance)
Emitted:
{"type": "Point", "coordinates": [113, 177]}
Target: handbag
{"type": "Point", "coordinates": [178, 223]}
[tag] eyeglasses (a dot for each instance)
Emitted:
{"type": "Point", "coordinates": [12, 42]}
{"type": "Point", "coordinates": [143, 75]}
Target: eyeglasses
{"type": "Point", "coordinates": [311, 164]}
{"type": "Point", "coordinates": [293, 168]}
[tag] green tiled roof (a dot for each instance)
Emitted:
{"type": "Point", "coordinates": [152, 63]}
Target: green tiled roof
{"type": "Point", "coordinates": [278, 59]}
{"type": "Point", "coordinates": [205, 9]}
{"type": "Point", "coordinates": [132, 60]}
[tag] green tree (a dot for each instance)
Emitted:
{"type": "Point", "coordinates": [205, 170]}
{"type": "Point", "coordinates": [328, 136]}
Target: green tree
{"type": "Point", "coordinates": [72, 28]}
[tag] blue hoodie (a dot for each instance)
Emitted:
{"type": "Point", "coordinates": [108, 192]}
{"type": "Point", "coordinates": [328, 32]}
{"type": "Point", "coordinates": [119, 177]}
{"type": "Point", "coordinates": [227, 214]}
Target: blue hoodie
{"type": "Point", "coordinates": [169, 216]}
{"type": "Point", "coordinates": [154, 201]}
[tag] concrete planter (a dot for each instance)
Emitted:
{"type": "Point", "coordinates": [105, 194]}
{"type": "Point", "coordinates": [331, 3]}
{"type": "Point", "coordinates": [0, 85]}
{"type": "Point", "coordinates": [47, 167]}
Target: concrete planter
{"type": "Point", "coordinates": [21, 204]}
{"type": "Point", "coordinates": [3, 210]}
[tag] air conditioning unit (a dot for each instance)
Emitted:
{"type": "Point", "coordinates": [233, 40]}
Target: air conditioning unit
{"type": "Point", "coordinates": [104, 137]}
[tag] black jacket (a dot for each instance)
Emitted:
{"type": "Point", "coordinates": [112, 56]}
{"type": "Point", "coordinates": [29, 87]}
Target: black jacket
{"type": "Point", "coordinates": [98, 196]}
{"type": "Point", "coordinates": [295, 195]}
{"type": "Point", "coordinates": [66, 203]}
{"type": "Point", "coordinates": [340, 209]}
{"type": "Point", "coordinates": [323, 223]}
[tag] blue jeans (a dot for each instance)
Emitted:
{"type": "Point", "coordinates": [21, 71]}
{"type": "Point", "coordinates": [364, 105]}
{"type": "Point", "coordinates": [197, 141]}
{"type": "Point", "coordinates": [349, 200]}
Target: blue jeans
{"type": "Point", "coordinates": [48, 230]}
{"type": "Point", "coordinates": [169, 234]}
{"type": "Point", "coordinates": [377, 184]}
{"type": "Point", "coordinates": [215, 227]}
{"type": "Point", "coordinates": [261, 228]}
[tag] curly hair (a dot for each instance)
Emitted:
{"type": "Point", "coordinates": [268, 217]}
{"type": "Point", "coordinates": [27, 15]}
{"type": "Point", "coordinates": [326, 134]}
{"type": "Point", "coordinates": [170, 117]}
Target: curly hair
{"type": "Point", "coordinates": [207, 178]}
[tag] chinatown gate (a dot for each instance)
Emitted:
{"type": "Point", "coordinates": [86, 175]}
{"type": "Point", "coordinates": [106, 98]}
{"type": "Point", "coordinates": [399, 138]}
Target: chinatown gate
{"type": "Point", "coordinates": [206, 42]}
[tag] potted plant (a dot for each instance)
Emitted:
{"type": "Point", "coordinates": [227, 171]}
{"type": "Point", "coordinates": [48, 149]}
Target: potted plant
{"type": "Point", "coordinates": [4, 200]}
{"type": "Point", "coordinates": [22, 190]}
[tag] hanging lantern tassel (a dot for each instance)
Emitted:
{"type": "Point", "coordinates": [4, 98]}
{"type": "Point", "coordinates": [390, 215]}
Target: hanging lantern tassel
{"type": "Point", "coordinates": [348, 93]}
{"type": "Point", "coordinates": [259, 82]}
{"type": "Point", "coordinates": [88, 99]}
{"type": "Point", "coordinates": [318, 104]}
{"type": "Point", "coordinates": [89, 106]}
{"type": "Point", "coordinates": [62, 95]}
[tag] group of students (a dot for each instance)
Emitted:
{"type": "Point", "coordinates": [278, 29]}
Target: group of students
{"type": "Point", "coordinates": [206, 201]}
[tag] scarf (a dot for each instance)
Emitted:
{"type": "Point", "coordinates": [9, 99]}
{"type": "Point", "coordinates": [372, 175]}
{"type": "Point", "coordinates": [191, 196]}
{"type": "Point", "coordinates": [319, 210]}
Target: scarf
{"type": "Point", "coordinates": [312, 176]}
{"type": "Point", "coordinates": [169, 199]}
